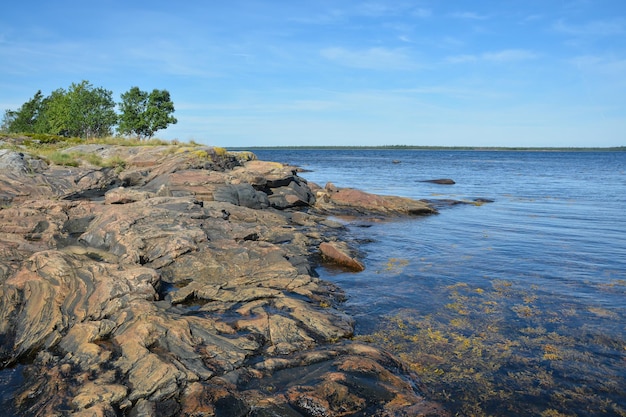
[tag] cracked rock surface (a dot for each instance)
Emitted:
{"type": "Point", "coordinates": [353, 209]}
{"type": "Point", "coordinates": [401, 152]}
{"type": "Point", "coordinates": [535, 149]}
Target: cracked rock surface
{"type": "Point", "coordinates": [181, 285]}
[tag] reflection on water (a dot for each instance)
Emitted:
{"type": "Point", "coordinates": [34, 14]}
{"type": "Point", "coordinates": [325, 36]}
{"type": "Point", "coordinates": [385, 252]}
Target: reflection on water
{"type": "Point", "coordinates": [516, 307]}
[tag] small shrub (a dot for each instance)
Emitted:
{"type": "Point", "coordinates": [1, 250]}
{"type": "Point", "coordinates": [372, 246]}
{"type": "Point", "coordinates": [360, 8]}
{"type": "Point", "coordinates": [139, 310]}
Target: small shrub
{"type": "Point", "coordinates": [62, 158]}
{"type": "Point", "coordinates": [93, 159]}
{"type": "Point", "coordinates": [202, 154]}
{"type": "Point", "coordinates": [220, 151]}
{"type": "Point", "coordinates": [46, 138]}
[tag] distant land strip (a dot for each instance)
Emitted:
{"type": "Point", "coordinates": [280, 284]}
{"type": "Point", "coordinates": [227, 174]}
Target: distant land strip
{"type": "Point", "coordinates": [435, 148]}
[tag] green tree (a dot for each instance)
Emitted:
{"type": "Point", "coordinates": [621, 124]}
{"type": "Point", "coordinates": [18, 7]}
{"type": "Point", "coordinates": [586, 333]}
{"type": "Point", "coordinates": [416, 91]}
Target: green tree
{"type": "Point", "coordinates": [24, 120]}
{"type": "Point", "coordinates": [132, 108]}
{"type": "Point", "coordinates": [56, 115]}
{"type": "Point", "coordinates": [7, 120]}
{"type": "Point", "coordinates": [91, 111]}
{"type": "Point", "coordinates": [82, 111]}
{"type": "Point", "coordinates": [143, 114]}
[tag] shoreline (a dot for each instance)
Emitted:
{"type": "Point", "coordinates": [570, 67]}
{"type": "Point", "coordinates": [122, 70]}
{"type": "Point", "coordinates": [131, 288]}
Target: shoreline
{"type": "Point", "coordinates": [183, 283]}
{"type": "Point", "coordinates": [436, 148]}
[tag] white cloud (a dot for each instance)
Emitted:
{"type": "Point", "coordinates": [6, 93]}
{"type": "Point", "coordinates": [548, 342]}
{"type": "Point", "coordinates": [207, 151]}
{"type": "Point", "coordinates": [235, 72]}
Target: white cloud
{"type": "Point", "coordinates": [326, 18]}
{"type": "Point", "coordinates": [469, 16]}
{"type": "Point", "coordinates": [506, 55]}
{"type": "Point", "coordinates": [607, 65]}
{"type": "Point", "coordinates": [375, 9]}
{"type": "Point", "coordinates": [531, 18]}
{"type": "Point", "coordinates": [509, 55]}
{"type": "Point", "coordinates": [372, 58]}
{"type": "Point", "coordinates": [462, 59]}
{"type": "Point", "coordinates": [600, 28]}
{"type": "Point", "coordinates": [423, 13]}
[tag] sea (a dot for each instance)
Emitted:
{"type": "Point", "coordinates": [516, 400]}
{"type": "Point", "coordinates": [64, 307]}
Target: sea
{"type": "Point", "coordinates": [511, 304]}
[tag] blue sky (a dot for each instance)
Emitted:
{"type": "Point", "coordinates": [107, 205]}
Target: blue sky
{"type": "Point", "coordinates": [340, 72]}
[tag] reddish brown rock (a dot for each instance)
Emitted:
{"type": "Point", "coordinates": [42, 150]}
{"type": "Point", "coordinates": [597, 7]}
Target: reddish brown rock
{"type": "Point", "coordinates": [171, 286]}
{"type": "Point", "coordinates": [352, 201]}
{"type": "Point", "coordinates": [337, 253]}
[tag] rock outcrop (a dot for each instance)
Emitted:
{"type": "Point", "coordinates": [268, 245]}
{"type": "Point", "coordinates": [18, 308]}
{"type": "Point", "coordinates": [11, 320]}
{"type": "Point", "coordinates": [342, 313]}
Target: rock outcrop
{"type": "Point", "coordinates": [182, 284]}
{"type": "Point", "coordinates": [350, 201]}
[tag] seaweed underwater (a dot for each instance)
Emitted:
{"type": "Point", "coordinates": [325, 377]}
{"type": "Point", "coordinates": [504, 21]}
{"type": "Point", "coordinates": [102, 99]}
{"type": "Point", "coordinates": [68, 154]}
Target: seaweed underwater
{"type": "Point", "coordinates": [503, 350]}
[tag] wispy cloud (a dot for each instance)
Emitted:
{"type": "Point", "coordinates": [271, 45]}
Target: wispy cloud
{"type": "Point", "coordinates": [606, 65]}
{"type": "Point", "coordinates": [454, 92]}
{"type": "Point", "coordinates": [509, 55]}
{"type": "Point", "coordinates": [595, 28]}
{"type": "Point", "coordinates": [376, 9]}
{"type": "Point", "coordinates": [28, 56]}
{"type": "Point", "coordinates": [469, 16]}
{"type": "Point", "coordinates": [462, 59]}
{"type": "Point", "coordinates": [503, 56]}
{"type": "Point", "coordinates": [531, 18]}
{"type": "Point", "coordinates": [325, 18]}
{"type": "Point", "coordinates": [422, 13]}
{"type": "Point", "coordinates": [372, 58]}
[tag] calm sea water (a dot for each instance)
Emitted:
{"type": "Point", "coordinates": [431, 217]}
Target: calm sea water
{"type": "Point", "coordinates": [515, 307]}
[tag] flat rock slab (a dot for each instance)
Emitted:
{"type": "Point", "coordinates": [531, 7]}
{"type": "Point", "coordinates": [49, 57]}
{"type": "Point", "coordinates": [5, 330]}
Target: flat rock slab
{"type": "Point", "coordinates": [353, 201]}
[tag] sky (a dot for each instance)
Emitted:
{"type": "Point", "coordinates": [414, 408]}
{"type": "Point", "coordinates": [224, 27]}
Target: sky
{"type": "Point", "coordinates": [338, 72]}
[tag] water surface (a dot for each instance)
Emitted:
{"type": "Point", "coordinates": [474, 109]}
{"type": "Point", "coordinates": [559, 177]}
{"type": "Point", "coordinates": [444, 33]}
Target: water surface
{"type": "Point", "coordinates": [515, 307]}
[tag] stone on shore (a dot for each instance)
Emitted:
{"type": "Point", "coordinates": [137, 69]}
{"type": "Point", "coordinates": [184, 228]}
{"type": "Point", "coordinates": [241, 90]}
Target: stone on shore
{"type": "Point", "coordinates": [348, 200]}
{"type": "Point", "coordinates": [338, 253]}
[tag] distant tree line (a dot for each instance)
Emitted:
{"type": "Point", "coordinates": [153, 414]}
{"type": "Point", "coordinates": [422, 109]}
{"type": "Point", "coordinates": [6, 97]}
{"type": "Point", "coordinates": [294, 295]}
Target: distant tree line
{"type": "Point", "coordinates": [85, 111]}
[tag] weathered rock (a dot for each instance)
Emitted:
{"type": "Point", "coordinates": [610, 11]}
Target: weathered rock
{"type": "Point", "coordinates": [352, 201]}
{"type": "Point", "coordinates": [20, 163]}
{"type": "Point", "coordinates": [181, 293]}
{"type": "Point", "coordinates": [241, 195]}
{"type": "Point", "coordinates": [123, 195]}
{"type": "Point", "coordinates": [346, 379]}
{"type": "Point", "coordinates": [295, 194]}
{"type": "Point", "coordinates": [338, 253]}
{"type": "Point", "coordinates": [29, 178]}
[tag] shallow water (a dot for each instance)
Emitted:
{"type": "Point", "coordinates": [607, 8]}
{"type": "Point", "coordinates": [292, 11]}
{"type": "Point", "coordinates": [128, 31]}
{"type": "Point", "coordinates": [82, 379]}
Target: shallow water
{"type": "Point", "coordinates": [515, 307]}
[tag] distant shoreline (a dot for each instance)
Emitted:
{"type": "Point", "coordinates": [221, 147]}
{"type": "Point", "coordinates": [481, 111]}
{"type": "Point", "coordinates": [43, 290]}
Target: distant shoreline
{"type": "Point", "coordinates": [434, 148]}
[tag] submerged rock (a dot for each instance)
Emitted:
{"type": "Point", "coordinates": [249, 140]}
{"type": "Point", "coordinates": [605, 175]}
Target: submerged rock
{"type": "Point", "coordinates": [338, 253]}
{"type": "Point", "coordinates": [442, 181]}
{"type": "Point", "coordinates": [189, 291]}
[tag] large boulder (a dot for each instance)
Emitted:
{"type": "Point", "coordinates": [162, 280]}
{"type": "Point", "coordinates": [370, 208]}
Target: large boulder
{"type": "Point", "coordinates": [241, 195]}
{"type": "Point", "coordinates": [339, 253]}
{"type": "Point", "coordinates": [353, 201]}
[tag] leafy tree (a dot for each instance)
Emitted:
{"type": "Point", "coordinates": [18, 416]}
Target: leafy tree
{"type": "Point", "coordinates": [91, 111]}
{"type": "Point", "coordinates": [132, 108]}
{"type": "Point", "coordinates": [7, 120]}
{"type": "Point", "coordinates": [82, 111]}
{"type": "Point", "coordinates": [25, 118]}
{"type": "Point", "coordinates": [143, 114]}
{"type": "Point", "coordinates": [56, 114]}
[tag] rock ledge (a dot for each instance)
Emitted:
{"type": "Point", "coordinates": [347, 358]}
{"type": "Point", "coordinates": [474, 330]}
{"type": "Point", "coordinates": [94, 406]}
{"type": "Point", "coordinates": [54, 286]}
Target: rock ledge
{"type": "Point", "coordinates": [183, 284]}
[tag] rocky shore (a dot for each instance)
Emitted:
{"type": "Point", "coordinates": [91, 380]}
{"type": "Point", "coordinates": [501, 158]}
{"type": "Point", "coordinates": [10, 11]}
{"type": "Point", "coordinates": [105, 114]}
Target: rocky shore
{"type": "Point", "coordinates": [181, 282]}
